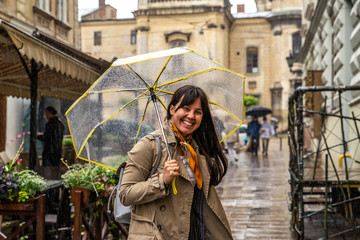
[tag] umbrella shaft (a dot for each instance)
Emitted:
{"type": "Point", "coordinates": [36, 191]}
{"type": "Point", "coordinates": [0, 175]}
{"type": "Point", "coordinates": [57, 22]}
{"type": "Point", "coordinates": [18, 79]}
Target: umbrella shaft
{"type": "Point", "coordinates": [162, 129]}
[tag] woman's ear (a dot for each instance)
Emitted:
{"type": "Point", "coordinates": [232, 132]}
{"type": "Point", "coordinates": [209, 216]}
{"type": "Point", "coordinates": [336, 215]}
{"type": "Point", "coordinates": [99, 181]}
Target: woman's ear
{"type": "Point", "coordinates": [172, 110]}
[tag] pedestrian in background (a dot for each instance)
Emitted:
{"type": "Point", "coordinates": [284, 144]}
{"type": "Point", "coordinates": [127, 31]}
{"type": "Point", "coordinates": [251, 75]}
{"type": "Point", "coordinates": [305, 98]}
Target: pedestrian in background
{"type": "Point", "coordinates": [198, 163]}
{"type": "Point", "coordinates": [254, 132]}
{"type": "Point", "coordinates": [231, 141]}
{"type": "Point", "coordinates": [266, 130]}
{"type": "Point", "coordinates": [52, 138]}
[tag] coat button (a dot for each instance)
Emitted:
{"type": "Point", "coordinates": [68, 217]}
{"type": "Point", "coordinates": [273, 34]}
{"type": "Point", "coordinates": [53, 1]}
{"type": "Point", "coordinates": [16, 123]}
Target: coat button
{"type": "Point", "coordinates": [159, 227]}
{"type": "Point", "coordinates": [162, 208]}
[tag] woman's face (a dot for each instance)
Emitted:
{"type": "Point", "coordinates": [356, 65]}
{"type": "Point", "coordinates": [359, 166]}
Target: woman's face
{"type": "Point", "coordinates": [188, 118]}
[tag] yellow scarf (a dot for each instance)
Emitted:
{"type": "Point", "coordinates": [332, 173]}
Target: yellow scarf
{"type": "Point", "coordinates": [193, 161]}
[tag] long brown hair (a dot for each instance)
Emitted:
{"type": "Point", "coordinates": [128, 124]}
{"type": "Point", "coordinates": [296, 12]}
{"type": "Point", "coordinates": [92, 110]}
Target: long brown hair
{"type": "Point", "coordinates": [205, 136]}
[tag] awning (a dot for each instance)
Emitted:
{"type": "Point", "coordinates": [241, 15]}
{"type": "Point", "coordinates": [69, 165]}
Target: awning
{"type": "Point", "coordinates": [66, 73]}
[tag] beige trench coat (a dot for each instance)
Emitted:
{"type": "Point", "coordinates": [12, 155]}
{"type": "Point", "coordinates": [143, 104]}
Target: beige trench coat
{"type": "Point", "coordinates": [158, 213]}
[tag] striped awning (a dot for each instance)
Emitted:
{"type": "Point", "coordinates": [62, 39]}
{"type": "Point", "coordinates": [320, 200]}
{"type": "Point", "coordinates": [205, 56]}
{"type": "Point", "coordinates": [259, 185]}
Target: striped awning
{"type": "Point", "coordinates": [65, 72]}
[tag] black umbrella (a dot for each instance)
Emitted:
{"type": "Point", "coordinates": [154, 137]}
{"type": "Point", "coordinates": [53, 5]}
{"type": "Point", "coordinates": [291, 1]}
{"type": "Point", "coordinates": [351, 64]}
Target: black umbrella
{"type": "Point", "coordinates": [258, 111]}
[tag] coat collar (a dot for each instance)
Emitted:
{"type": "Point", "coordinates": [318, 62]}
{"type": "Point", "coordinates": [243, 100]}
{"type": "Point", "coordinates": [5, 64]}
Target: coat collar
{"type": "Point", "coordinates": [172, 141]}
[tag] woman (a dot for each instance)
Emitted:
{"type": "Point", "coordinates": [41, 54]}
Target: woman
{"type": "Point", "coordinates": [198, 164]}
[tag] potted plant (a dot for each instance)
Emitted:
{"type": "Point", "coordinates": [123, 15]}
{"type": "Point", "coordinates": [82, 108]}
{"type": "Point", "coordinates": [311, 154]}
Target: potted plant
{"type": "Point", "coordinates": [92, 178]}
{"type": "Point", "coordinates": [68, 150]}
{"type": "Point", "coordinates": [19, 186]}
{"type": "Point", "coordinates": [90, 187]}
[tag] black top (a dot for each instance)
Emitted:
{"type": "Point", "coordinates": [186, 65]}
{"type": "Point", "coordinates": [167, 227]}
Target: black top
{"type": "Point", "coordinates": [52, 139]}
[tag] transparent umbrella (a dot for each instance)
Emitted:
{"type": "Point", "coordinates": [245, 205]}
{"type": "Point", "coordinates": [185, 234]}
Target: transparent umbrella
{"type": "Point", "coordinates": [129, 101]}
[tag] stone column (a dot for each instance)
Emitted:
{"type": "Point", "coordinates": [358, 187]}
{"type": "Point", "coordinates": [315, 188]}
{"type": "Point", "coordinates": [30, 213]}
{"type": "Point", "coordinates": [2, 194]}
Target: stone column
{"type": "Point", "coordinates": [142, 40]}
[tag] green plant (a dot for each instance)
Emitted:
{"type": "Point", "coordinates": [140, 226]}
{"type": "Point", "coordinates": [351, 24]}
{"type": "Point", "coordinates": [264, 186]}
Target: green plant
{"type": "Point", "coordinates": [20, 186]}
{"type": "Point", "coordinates": [250, 100]}
{"type": "Point", "coordinates": [67, 142]}
{"type": "Point", "coordinates": [30, 183]}
{"type": "Point", "coordinates": [93, 177]}
{"type": "Point", "coordinates": [89, 176]}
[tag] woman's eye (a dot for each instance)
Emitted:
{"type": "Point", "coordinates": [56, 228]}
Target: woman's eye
{"type": "Point", "coordinates": [198, 112]}
{"type": "Point", "coordinates": [186, 108]}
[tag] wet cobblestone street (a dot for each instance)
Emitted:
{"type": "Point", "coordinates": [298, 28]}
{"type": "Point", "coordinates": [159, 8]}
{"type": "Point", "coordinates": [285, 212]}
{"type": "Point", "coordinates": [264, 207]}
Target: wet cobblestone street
{"type": "Point", "coordinates": [254, 194]}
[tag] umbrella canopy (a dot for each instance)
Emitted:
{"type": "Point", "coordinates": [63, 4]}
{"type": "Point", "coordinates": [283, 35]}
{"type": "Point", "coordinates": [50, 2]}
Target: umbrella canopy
{"type": "Point", "coordinates": [122, 105]}
{"type": "Point", "coordinates": [258, 111]}
{"type": "Point", "coordinates": [274, 119]}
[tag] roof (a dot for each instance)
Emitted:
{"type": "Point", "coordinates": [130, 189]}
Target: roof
{"type": "Point", "coordinates": [65, 72]}
{"type": "Point", "coordinates": [267, 14]}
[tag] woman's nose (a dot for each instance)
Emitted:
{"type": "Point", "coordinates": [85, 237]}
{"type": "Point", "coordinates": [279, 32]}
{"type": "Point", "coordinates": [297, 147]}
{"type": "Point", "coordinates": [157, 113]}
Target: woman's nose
{"type": "Point", "coordinates": [191, 114]}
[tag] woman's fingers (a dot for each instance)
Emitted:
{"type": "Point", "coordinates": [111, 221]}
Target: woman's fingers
{"type": "Point", "coordinates": [171, 170]}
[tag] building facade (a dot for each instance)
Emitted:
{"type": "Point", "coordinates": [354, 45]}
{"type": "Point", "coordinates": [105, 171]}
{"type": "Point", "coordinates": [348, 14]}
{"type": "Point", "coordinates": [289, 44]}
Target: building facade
{"type": "Point", "coordinates": [331, 57]}
{"type": "Point", "coordinates": [55, 18]}
{"type": "Point", "coordinates": [255, 45]}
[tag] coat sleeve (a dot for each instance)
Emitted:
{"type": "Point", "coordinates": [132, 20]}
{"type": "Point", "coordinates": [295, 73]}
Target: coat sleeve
{"type": "Point", "coordinates": [136, 187]}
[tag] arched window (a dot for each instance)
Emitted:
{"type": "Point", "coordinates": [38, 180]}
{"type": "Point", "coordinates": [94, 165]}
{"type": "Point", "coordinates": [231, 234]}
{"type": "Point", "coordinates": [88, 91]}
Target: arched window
{"type": "Point", "coordinates": [252, 60]}
{"type": "Point", "coordinates": [177, 43]}
{"type": "Point", "coordinates": [177, 38]}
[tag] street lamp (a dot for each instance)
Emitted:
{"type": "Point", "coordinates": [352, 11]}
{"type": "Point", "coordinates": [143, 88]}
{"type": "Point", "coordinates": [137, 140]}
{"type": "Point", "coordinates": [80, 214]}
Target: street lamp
{"type": "Point", "coordinates": [290, 61]}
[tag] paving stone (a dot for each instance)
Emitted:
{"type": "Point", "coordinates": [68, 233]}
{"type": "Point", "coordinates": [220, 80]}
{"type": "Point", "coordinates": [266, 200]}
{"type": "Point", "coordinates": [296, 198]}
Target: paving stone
{"type": "Point", "coordinates": [254, 194]}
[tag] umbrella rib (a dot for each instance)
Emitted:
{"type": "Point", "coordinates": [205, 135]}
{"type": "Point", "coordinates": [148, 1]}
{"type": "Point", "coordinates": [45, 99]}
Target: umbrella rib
{"type": "Point", "coordinates": [161, 101]}
{"type": "Point", "coordinates": [230, 133]}
{"type": "Point", "coordinates": [142, 119]}
{"type": "Point", "coordinates": [91, 132]}
{"type": "Point", "coordinates": [220, 65]}
{"type": "Point", "coordinates": [226, 111]}
{"type": "Point", "coordinates": [194, 74]}
{"type": "Point", "coordinates": [118, 90]}
{"type": "Point", "coordinates": [125, 106]}
{"type": "Point", "coordinates": [138, 76]}
{"type": "Point", "coordinates": [162, 70]}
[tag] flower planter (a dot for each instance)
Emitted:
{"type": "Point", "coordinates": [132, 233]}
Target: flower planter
{"type": "Point", "coordinates": [14, 206]}
{"type": "Point", "coordinates": [34, 209]}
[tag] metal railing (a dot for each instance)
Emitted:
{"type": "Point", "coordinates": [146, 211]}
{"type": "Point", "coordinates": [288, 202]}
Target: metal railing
{"type": "Point", "coordinates": [324, 163]}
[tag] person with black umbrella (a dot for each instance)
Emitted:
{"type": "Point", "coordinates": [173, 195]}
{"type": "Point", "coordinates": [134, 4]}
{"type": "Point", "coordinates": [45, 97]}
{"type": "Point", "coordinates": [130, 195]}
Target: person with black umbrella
{"type": "Point", "coordinates": [254, 132]}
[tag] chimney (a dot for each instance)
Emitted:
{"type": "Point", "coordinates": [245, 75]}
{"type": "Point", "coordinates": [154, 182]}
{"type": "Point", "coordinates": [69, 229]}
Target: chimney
{"type": "Point", "coordinates": [101, 3]}
{"type": "Point", "coordinates": [241, 8]}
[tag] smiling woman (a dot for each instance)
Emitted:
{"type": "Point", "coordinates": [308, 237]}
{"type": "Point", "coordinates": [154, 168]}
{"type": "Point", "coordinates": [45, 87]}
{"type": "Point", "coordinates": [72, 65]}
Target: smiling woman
{"type": "Point", "coordinates": [196, 161]}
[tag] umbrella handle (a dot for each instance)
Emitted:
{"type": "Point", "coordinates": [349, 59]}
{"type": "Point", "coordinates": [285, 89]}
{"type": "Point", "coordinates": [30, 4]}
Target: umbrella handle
{"type": "Point", "coordinates": [173, 186]}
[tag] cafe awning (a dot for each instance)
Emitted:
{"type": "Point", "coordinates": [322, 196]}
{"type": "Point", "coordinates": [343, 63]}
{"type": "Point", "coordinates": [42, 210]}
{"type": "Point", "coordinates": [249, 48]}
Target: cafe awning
{"type": "Point", "coordinates": [65, 72]}
{"type": "Point", "coordinates": [33, 65]}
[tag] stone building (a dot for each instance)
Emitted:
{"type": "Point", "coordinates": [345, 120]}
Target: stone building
{"type": "Point", "coordinates": [255, 45]}
{"type": "Point", "coordinates": [55, 18]}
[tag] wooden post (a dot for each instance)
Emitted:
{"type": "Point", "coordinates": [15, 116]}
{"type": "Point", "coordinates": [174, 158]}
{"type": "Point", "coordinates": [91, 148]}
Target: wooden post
{"type": "Point", "coordinates": [40, 218]}
{"type": "Point", "coordinates": [2, 123]}
{"type": "Point", "coordinates": [33, 114]}
{"type": "Point", "coordinates": [76, 199]}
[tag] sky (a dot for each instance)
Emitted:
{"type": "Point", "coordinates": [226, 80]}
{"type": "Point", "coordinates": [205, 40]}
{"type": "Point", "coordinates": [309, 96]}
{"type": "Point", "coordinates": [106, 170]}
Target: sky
{"type": "Point", "coordinates": [125, 7]}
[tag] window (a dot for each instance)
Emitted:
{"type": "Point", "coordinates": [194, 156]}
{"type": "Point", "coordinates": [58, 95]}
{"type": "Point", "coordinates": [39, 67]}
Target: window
{"type": "Point", "coordinates": [133, 37]}
{"type": "Point", "coordinates": [252, 60]}
{"type": "Point", "coordinates": [97, 38]}
{"type": "Point", "coordinates": [252, 84]}
{"type": "Point", "coordinates": [44, 5]}
{"type": "Point", "coordinates": [296, 45]}
{"type": "Point", "coordinates": [177, 43]}
{"type": "Point", "coordinates": [62, 10]}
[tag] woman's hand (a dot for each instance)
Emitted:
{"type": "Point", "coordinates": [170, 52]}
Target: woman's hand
{"type": "Point", "coordinates": [171, 170]}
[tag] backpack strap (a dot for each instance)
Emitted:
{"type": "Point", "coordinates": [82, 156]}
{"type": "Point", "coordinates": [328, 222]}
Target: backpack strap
{"type": "Point", "coordinates": [157, 138]}
{"type": "Point", "coordinates": [122, 166]}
